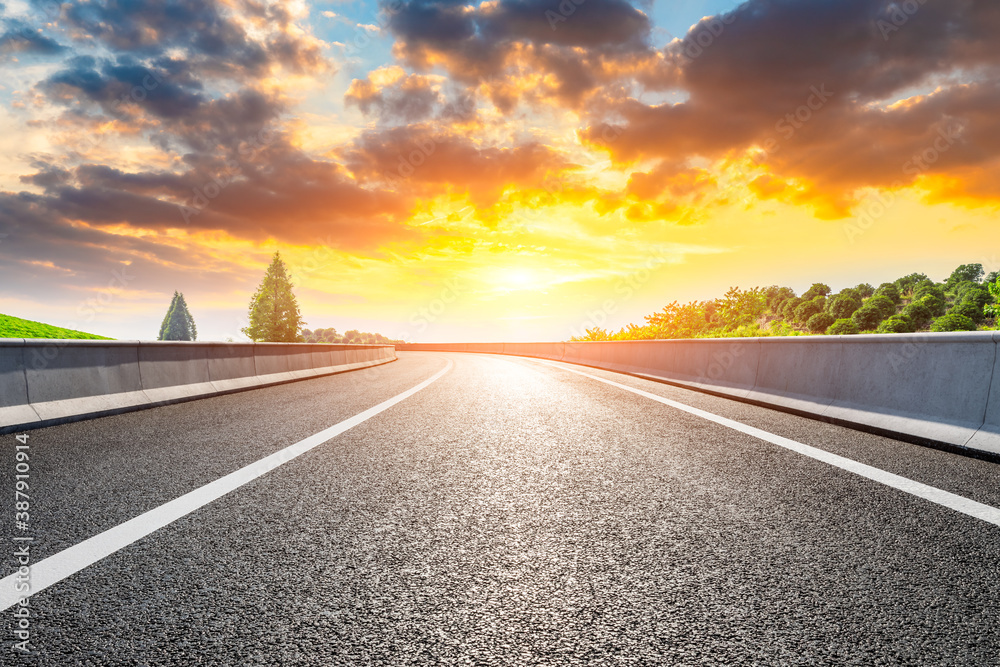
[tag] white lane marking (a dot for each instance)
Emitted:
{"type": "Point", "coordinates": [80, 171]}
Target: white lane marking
{"type": "Point", "coordinates": [944, 498]}
{"type": "Point", "coordinates": [69, 561]}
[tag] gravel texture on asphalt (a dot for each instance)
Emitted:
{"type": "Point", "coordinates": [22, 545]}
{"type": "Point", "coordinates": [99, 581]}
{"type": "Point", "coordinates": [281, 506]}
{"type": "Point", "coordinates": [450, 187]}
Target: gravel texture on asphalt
{"type": "Point", "coordinates": [509, 514]}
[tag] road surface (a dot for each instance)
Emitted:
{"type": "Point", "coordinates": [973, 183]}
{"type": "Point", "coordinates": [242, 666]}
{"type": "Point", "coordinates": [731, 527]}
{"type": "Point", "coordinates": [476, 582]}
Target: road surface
{"type": "Point", "coordinates": [485, 510]}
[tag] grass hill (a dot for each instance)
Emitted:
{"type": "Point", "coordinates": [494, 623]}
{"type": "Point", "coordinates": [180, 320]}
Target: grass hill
{"type": "Point", "coordinates": [15, 327]}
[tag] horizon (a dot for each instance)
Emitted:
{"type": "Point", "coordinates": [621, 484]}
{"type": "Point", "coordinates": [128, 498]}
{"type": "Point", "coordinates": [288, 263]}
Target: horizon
{"type": "Point", "coordinates": [499, 171]}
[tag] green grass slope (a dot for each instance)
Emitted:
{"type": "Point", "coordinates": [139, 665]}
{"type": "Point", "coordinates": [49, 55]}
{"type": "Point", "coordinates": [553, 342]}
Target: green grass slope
{"type": "Point", "coordinates": [15, 327]}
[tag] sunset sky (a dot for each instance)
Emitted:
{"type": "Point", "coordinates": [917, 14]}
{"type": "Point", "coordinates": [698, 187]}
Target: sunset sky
{"type": "Point", "coordinates": [436, 170]}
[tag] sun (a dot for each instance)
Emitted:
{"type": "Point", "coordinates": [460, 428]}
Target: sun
{"type": "Point", "coordinates": [514, 279]}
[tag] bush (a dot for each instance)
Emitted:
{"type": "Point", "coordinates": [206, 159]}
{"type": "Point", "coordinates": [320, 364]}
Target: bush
{"type": "Point", "coordinates": [844, 304]}
{"type": "Point", "coordinates": [842, 327]}
{"type": "Point", "coordinates": [889, 291]}
{"type": "Point", "coordinates": [869, 315]}
{"type": "Point", "coordinates": [953, 323]}
{"type": "Point", "coordinates": [971, 273]}
{"type": "Point", "coordinates": [975, 295]}
{"type": "Point", "coordinates": [918, 314]}
{"type": "Point", "coordinates": [779, 328]}
{"type": "Point", "coordinates": [776, 297]}
{"type": "Point", "coordinates": [959, 290]}
{"type": "Point", "coordinates": [818, 289]}
{"type": "Point", "coordinates": [820, 322]}
{"type": "Point", "coordinates": [907, 283]}
{"type": "Point", "coordinates": [788, 309]}
{"type": "Point", "coordinates": [969, 310]}
{"type": "Point", "coordinates": [884, 305]}
{"type": "Point", "coordinates": [864, 290]}
{"type": "Point", "coordinates": [936, 305]}
{"type": "Point", "coordinates": [806, 310]}
{"type": "Point", "coordinates": [895, 324]}
{"type": "Point", "coordinates": [927, 288]}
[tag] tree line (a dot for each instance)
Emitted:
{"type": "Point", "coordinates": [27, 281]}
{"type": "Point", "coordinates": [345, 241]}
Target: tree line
{"type": "Point", "coordinates": [273, 317]}
{"type": "Point", "coordinates": [966, 301]}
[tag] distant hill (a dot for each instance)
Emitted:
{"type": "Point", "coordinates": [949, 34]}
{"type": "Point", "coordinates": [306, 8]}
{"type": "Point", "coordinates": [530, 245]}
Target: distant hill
{"type": "Point", "coordinates": [15, 327]}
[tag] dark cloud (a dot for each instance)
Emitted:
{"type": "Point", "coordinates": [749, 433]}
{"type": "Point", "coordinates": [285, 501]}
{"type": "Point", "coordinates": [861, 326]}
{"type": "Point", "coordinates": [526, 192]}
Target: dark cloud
{"type": "Point", "coordinates": [816, 84]}
{"type": "Point", "coordinates": [82, 274]}
{"type": "Point", "coordinates": [116, 85]}
{"type": "Point", "coordinates": [283, 195]}
{"type": "Point", "coordinates": [409, 98]}
{"type": "Point", "coordinates": [170, 61]}
{"type": "Point", "coordinates": [439, 23]}
{"type": "Point", "coordinates": [206, 32]}
{"type": "Point", "coordinates": [608, 24]}
{"type": "Point", "coordinates": [473, 28]}
{"type": "Point", "coordinates": [196, 79]}
{"type": "Point", "coordinates": [20, 38]}
{"type": "Point", "coordinates": [577, 44]}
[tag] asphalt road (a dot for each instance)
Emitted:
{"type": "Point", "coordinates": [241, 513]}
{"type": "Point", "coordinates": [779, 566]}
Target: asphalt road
{"type": "Point", "coordinates": [509, 513]}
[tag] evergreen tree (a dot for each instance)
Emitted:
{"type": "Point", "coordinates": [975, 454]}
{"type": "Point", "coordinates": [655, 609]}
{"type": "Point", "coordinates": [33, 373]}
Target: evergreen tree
{"type": "Point", "coordinates": [178, 324]}
{"type": "Point", "coordinates": [274, 312]}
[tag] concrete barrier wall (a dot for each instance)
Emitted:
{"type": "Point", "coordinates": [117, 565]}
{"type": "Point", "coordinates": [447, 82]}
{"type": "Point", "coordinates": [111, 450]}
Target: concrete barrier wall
{"type": "Point", "coordinates": [44, 382]}
{"type": "Point", "coordinates": [988, 436]}
{"type": "Point", "coordinates": [938, 389]}
{"type": "Point", "coordinates": [14, 408]}
{"type": "Point", "coordinates": [538, 350]}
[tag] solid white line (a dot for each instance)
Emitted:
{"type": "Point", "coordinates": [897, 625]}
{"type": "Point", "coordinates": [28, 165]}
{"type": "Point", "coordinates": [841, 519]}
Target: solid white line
{"type": "Point", "coordinates": [952, 501]}
{"type": "Point", "coordinates": [69, 561]}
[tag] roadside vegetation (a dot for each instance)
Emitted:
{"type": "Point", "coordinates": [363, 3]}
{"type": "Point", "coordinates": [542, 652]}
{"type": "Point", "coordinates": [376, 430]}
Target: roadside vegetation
{"type": "Point", "coordinates": [178, 323]}
{"type": "Point", "coordinates": [15, 327]}
{"type": "Point", "coordinates": [353, 336]}
{"type": "Point", "coordinates": [274, 314]}
{"type": "Point", "coordinates": [966, 301]}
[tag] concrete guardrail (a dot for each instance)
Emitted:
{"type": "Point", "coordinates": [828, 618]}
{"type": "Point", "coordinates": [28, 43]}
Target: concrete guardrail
{"type": "Point", "coordinates": [45, 382]}
{"type": "Point", "coordinates": [935, 389]}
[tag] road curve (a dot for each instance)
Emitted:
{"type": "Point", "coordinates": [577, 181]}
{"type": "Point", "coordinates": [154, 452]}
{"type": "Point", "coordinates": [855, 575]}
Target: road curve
{"type": "Point", "coordinates": [510, 512]}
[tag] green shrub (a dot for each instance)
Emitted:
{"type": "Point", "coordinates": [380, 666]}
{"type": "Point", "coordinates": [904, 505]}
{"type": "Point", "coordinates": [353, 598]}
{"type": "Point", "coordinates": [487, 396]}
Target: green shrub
{"type": "Point", "coordinates": [788, 309]}
{"type": "Point", "coordinates": [870, 315]}
{"type": "Point", "coordinates": [935, 304]}
{"type": "Point", "coordinates": [895, 324]}
{"type": "Point", "coordinates": [975, 295]}
{"type": "Point", "coordinates": [776, 297]}
{"type": "Point", "coordinates": [927, 287]}
{"type": "Point", "coordinates": [820, 322]}
{"type": "Point", "coordinates": [970, 310]}
{"type": "Point", "coordinates": [889, 291]}
{"type": "Point", "coordinates": [864, 290]}
{"type": "Point", "coordinates": [883, 304]}
{"type": "Point", "coordinates": [806, 310]}
{"type": "Point", "coordinates": [842, 327]}
{"type": "Point", "coordinates": [918, 314]}
{"type": "Point", "coordinates": [843, 305]}
{"type": "Point", "coordinates": [967, 273]}
{"type": "Point", "coordinates": [818, 289]}
{"type": "Point", "coordinates": [953, 323]}
{"type": "Point", "coordinates": [907, 283]}
{"type": "Point", "coordinates": [780, 328]}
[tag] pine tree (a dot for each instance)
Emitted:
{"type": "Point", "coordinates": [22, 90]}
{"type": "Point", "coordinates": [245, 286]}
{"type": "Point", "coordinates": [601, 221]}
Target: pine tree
{"type": "Point", "coordinates": [191, 329]}
{"type": "Point", "coordinates": [178, 324]}
{"type": "Point", "coordinates": [274, 313]}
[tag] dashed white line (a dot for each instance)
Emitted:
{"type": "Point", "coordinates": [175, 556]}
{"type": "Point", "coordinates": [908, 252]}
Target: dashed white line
{"type": "Point", "coordinates": [69, 561]}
